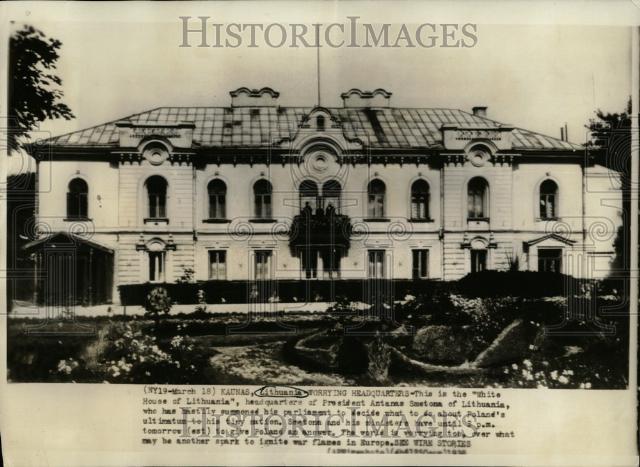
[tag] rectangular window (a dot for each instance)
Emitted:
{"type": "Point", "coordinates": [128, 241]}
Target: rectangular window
{"type": "Point", "coordinates": [376, 264]}
{"type": "Point", "coordinates": [550, 260]}
{"type": "Point", "coordinates": [263, 265]}
{"type": "Point", "coordinates": [217, 265]}
{"type": "Point", "coordinates": [478, 260]}
{"type": "Point", "coordinates": [156, 266]}
{"type": "Point", "coordinates": [420, 264]}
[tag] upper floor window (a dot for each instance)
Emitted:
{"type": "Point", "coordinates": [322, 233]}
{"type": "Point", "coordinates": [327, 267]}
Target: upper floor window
{"type": "Point", "coordinates": [376, 194]}
{"type": "Point", "coordinates": [77, 199]}
{"type": "Point", "coordinates": [217, 199]}
{"type": "Point", "coordinates": [548, 200]}
{"type": "Point", "coordinates": [308, 196]}
{"type": "Point", "coordinates": [331, 191]}
{"type": "Point", "coordinates": [320, 122]}
{"type": "Point", "coordinates": [157, 197]}
{"type": "Point", "coordinates": [420, 200]}
{"type": "Point", "coordinates": [478, 198]}
{"type": "Point", "coordinates": [262, 199]}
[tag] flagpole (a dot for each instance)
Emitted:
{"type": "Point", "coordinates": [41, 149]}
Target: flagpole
{"type": "Point", "coordinates": [318, 71]}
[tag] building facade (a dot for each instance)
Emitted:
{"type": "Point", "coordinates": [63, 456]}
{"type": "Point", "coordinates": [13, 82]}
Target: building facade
{"type": "Point", "coordinates": [261, 191]}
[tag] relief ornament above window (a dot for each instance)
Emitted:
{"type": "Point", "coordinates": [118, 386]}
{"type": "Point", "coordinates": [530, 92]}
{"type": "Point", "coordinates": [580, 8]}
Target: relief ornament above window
{"type": "Point", "coordinates": [155, 155]}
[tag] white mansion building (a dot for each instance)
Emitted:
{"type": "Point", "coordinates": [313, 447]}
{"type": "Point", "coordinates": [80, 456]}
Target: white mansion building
{"type": "Point", "coordinates": [259, 191]}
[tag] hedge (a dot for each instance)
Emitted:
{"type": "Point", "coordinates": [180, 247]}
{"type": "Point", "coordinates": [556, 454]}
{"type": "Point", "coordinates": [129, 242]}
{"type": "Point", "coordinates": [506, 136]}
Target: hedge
{"type": "Point", "coordinates": [286, 290]}
{"type": "Point", "coordinates": [528, 284]}
{"type": "Point", "coordinates": [532, 284]}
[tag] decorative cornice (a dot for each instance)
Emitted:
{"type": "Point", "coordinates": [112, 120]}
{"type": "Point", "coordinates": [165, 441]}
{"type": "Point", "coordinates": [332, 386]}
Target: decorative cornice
{"type": "Point", "coordinates": [366, 94]}
{"type": "Point", "coordinates": [254, 92]}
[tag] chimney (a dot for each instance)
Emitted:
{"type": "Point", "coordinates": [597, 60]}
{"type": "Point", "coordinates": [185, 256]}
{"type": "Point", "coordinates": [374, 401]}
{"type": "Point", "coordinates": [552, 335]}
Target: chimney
{"type": "Point", "coordinates": [479, 111]}
{"type": "Point", "coordinates": [245, 97]}
{"type": "Point", "coordinates": [358, 98]}
{"type": "Point", "coordinates": [564, 133]}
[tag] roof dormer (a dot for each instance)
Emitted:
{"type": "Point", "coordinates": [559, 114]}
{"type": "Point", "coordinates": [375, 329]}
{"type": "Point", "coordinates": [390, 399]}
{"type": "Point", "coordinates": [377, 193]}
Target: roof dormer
{"type": "Point", "coordinates": [320, 119]}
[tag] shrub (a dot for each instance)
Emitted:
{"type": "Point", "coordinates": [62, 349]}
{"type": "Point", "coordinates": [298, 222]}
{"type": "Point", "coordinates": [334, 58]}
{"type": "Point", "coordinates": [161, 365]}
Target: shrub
{"type": "Point", "coordinates": [444, 310]}
{"type": "Point", "coordinates": [186, 276]}
{"type": "Point", "coordinates": [342, 307]}
{"type": "Point", "coordinates": [158, 303]}
{"type": "Point", "coordinates": [351, 355]}
{"type": "Point", "coordinates": [489, 316]}
{"type": "Point", "coordinates": [124, 354]}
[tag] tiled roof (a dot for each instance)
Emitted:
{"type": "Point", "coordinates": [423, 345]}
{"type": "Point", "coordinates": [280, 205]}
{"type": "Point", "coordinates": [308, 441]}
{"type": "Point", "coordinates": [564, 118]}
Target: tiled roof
{"type": "Point", "coordinates": [402, 128]}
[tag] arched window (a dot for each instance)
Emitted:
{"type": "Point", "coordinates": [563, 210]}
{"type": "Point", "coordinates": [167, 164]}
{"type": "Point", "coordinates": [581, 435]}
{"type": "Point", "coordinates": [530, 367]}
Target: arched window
{"type": "Point", "coordinates": [308, 195]}
{"type": "Point", "coordinates": [420, 200]}
{"type": "Point", "coordinates": [156, 251]}
{"type": "Point", "coordinates": [331, 191]}
{"type": "Point", "coordinates": [77, 199]}
{"type": "Point", "coordinates": [262, 199]}
{"type": "Point", "coordinates": [548, 200]}
{"type": "Point", "coordinates": [478, 198]}
{"type": "Point", "coordinates": [217, 199]}
{"type": "Point", "coordinates": [376, 193]}
{"type": "Point", "coordinates": [157, 196]}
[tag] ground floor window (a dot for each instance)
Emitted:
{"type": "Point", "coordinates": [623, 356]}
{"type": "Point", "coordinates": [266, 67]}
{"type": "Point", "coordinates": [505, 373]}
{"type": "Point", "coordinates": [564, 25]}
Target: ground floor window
{"type": "Point", "coordinates": [550, 260]}
{"type": "Point", "coordinates": [217, 265]}
{"type": "Point", "coordinates": [156, 266]}
{"type": "Point", "coordinates": [478, 260]}
{"type": "Point", "coordinates": [420, 264]}
{"type": "Point", "coordinates": [376, 264]}
{"type": "Point", "coordinates": [263, 264]}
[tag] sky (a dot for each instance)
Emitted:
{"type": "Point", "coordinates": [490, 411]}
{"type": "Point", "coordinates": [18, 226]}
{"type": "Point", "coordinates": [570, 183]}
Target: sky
{"type": "Point", "coordinates": [534, 77]}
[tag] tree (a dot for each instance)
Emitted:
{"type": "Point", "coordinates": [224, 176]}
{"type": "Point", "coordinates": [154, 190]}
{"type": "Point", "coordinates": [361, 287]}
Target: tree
{"type": "Point", "coordinates": [611, 143]}
{"type": "Point", "coordinates": [34, 93]}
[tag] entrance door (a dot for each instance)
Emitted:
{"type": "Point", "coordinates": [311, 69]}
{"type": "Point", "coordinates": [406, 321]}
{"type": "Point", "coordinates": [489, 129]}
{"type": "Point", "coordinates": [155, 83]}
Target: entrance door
{"type": "Point", "coordinates": [478, 260]}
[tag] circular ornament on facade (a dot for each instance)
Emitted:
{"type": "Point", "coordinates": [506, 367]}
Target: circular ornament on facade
{"type": "Point", "coordinates": [478, 157]}
{"type": "Point", "coordinates": [156, 156]}
{"type": "Point", "coordinates": [320, 162]}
